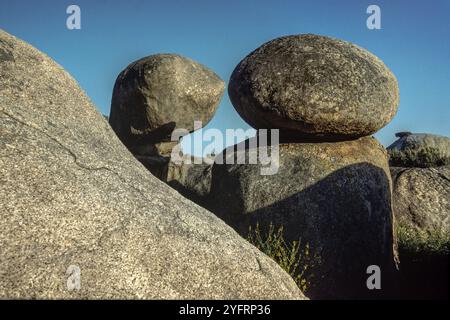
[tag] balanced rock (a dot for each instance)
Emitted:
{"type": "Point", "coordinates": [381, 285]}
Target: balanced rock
{"type": "Point", "coordinates": [157, 94]}
{"type": "Point", "coordinates": [314, 87]}
{"type": "Point", "coordinates": [334, 197]}
{"type": "Point", "coordinates": [75, 202]}
{"type": "Point", "coordinates": [421, 199]}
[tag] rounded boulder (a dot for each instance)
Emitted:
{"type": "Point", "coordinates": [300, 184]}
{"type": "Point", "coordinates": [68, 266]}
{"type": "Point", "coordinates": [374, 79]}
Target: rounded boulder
{"type": "Point", "coordinates": [157, 94]}
{"type": "Point", "coordinates": [316, 87]}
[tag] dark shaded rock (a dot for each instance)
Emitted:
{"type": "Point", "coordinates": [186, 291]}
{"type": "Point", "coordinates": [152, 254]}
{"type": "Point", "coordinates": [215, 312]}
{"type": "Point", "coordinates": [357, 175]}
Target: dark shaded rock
{"type": "Point", "coordinates": [314, 87]}
{"type": "Point", "coordinates": [192, 180]}
{"type": "Point", "coordinates": [159, 93]}
{"type": "Point", "coordinates": [422, 198]}
{"type": "Point", "coordinates": [336, 197]}
{"type": "Point", "coordinates": [403, 134]}
{"type": "Point", "coordinates": [423, 275]}
{"type": "Point", "coordinates": [190, 177]}
{"type": "Point", "coordinates": [72, 195]}
{"type": "Point", "coordinates": [156, 164]}
{"type": "Point", "coordinates": [155, 149]}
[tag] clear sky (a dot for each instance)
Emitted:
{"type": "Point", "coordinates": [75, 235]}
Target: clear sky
{"type": "Point", "coordinates": [414, 42]}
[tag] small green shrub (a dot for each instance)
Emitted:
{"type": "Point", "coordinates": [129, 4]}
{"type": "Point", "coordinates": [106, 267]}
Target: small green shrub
{"type": "Point", "coordinates": [421, 158]}
{"type": "Point", "coordinates": [296, 259]}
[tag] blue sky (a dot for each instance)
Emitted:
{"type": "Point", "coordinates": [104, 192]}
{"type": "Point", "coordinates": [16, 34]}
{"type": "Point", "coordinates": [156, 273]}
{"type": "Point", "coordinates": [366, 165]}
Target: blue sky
{"type": "Point", "coordinates": [414, 42]}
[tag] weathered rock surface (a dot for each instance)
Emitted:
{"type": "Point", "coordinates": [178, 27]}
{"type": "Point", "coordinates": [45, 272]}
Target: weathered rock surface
{"type": "Point", "coordinates": [163, 149]}
{"type": "Point", "coordinates": [336, 197]}
{"type": "Point", "coordinates": [314, 87]}
{"type": "Point", "coordinates": [192, 180]}
{"type": "Point", "coordinates": [421, 198]}
{"type": "Point", "coordinates": [72, 194]}
{"type": "Point", "coordinates": [159, 93]}
{"type": "Point", "coordinates": [417, 141]}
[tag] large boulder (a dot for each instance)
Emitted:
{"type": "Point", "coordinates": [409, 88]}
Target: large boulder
{"type": "Point", "coordinates": [422, 198]}
{"type": "Point", "coordinates": [334, 197]}
{"type": "Point", "coordinates": [74, 199]}
{"type": "Point", "coordinates": [159, 93]}
{"type": "Point", "coordinates": [314, 87]}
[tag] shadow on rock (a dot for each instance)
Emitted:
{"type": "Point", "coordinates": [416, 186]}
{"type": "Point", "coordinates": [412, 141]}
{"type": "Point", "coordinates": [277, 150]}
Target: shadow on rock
{"type": "Point", "coordinates": [345, 218]}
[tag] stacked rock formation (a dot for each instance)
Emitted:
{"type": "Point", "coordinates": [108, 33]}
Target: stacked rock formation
{"type": "Point", "coordinates": [420, 167]}
{"type": "Point", "coordinates": [72, 196]}
{"type": "Point", "coordinates": [333, 187]}
{"type": "Point", "coordinates": [156, 95]}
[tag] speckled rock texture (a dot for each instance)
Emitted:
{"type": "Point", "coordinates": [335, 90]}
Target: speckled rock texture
{"type": "Point", "coordinates": [422, 198]}
{"type": "Point", "coordinates": [159, 93]}
{"type": "Point", "coordinates": [314, 87]}
{"type": "Point", "coordinates": [336, 197]}
{"type": "Point", "coordinates": [417, 141]}
{"type": "Point", "coordinates": [72, 194]}
{"type": "Point", "coordinates": [192, 180]}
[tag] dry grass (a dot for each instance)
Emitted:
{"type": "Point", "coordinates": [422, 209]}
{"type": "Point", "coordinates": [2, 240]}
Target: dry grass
{"type": "Point", "coordinates": [294, 257]}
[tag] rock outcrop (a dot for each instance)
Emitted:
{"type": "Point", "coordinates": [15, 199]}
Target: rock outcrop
{"type": "Point", "coordinates": [420, 150]}
{"type": "Point", "coordinates": [314, 87]}
{"type": "Point", "coordinates": [421, 174]}
{"type": "Point", "coordinates": [415, 141]}
{"type": "Point", "coordinates": [72, 196]}
{"type": "Point", "coordinates": [333, 197]}
{"type": "Point", "coordinates": [192, 180]}
{"type": "Point", "coordinates": [422, 212]}
{"type": "Point", "coordinates": [332, 190]}
{"type": "Point", "coordinates": [156, 95]}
